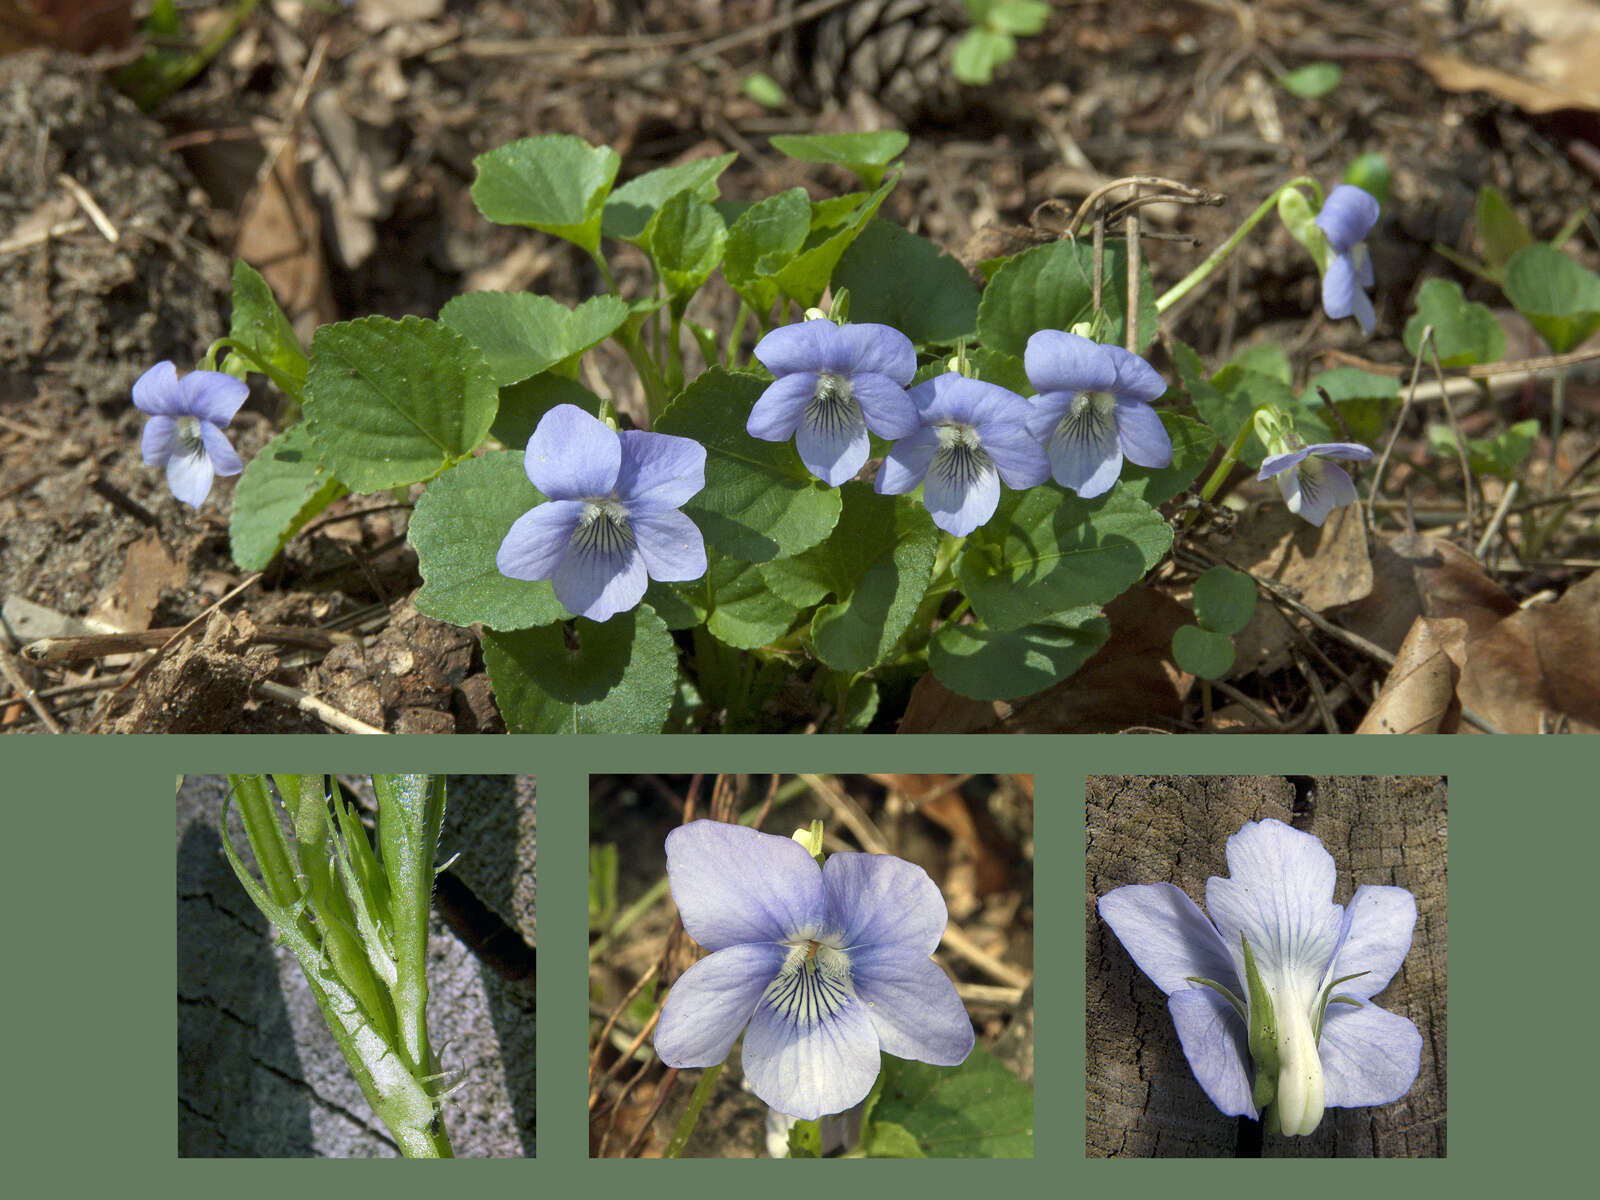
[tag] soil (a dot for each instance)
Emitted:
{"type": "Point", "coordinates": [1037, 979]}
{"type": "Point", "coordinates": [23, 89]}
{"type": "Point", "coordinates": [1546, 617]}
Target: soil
{"type": "Point", "coordinates": [335, 151]}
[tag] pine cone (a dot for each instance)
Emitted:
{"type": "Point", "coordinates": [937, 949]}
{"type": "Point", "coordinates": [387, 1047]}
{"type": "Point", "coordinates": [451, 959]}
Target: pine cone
{"type": "Point", "coordinates": [896, 51]}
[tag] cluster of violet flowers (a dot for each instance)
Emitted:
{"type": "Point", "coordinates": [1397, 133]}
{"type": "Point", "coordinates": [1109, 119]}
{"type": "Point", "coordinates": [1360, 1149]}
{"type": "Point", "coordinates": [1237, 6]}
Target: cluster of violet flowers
{"type": "Point", "coordinates": [612, 521]}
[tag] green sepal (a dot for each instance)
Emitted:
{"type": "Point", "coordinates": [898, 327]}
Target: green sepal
{"type": "Point", "coordinates": [1294, 210]}
{"type": "Point", "coordinates": [1225, 992]}
{"type": "Point", "coordinates": [1263, 1024]}
{"type": "Point", "coordinates": [1328, 998]}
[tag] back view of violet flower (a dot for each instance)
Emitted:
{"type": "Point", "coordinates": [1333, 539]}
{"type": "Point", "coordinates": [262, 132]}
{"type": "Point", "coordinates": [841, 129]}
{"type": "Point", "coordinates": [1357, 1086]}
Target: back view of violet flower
{"type": "Point", "coordinates": [833, 384]}
{"type": "Point", "coordinates": [829, 967]}
{"type": "Point", "coordinates": [1347, 216]}
{"type": "Point", "coordinates": [184, 433]}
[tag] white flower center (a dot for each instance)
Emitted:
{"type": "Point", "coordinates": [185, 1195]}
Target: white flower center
{"type": "Point", "coordinates": [812, 985]}
{"type": "Point", "coordinates": [960, 456]}
{"type": "Point", "coordinates": [832, 407]}
{"type": "Point", "coordinates": [1300, 1083]}
{"type": "Point", "coordinates": [603, 528]}
{"type": "Point", "coordinates": [1088, 419]}
{"type": "Point", "coordinates": [190, 443]}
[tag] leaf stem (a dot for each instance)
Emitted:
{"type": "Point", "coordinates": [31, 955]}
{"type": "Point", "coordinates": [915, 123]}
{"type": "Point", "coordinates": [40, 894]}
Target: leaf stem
{"type": "Point", "coordinates": [1193, 279]}
{"type": "Point", "coordinates": [686, 1124]}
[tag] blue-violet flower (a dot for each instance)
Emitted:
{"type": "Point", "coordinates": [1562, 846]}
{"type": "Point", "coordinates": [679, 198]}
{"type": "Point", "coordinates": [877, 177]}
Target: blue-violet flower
{"type": "Point", "coordinates": [1279, 977]}
{"type": "Point", "coordinates": [184, 433]}
{"type": "Point", "coordinates": [828, 966]}
{"type": "Point", "coordinates": [1347, 216]}
{"type": "Point", "coordinates": [611, 521]}
{"type": "Point", "coordinates": [973, 435]}
{"type": "Point", "coordinates": [1311, 487]}
{"type": "Point", "coordinates": [833, 384]}
{"type": "Point", "coordinates": [1093, 410]}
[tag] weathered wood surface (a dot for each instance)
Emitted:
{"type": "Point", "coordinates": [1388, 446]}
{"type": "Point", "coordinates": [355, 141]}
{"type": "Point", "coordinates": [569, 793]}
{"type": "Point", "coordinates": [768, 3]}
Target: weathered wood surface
{"type": "Point", "coordinates": [258, 1073]}
{"type": "Point", "coordinates": [1143, 1100]}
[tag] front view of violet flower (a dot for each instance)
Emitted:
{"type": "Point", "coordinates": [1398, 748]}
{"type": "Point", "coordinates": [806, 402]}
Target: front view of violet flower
{"type": "Point", "coordinates": [1311, 487]}
{"type": "Point", "coordinates": [1093, 410]}
{"type": "Point", "coordinates": [184, 433]}
{"type": "Point", "coordinates": [1271, 995]}
{"type": "Point", "coordinates": [833, 384]}
{"type": "Point", "coordinates": [611, 521]}
{"type": "Point", "coordinates": [1347, 216]}
{"type": "Point", "coordinates": [973, 435]}
{"type": "Point", "coordinates": [829, 967]}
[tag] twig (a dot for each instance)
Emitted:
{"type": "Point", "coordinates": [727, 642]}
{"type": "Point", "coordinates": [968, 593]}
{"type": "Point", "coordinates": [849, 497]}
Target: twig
{"type": "Point", "coordinates": [960, 944]}
{"type": "Point", "coordinates": [1394, 435]}
{"type": "Point", "coordinates": [984, 993]}
{"type": "Point", "coordinates": [19, 683]}
{"type": "Point", "coordinates": [86, 202]}
{"type": "Point", "coordinates": [1496, 521]}
{"type": "Point", "coordinates": [102, 645]}
{"type": "Point", "coordinates": [321, 709]}
{"type": "Point", "coordinates": [1477, 370]}
{"type": "Point", "coordinates": [1130, 233]}
{"type": "Point", "coordinates": [848, 813]}
{"type": "Point", "coordinates": [1469, 485]}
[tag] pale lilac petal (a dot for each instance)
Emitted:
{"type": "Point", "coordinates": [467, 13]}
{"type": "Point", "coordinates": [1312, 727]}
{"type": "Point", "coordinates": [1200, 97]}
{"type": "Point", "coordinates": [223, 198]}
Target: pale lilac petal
{"type": "Point", "coordinates": [912, 1003]}
{"type": "Point", "coordinates": [1215, 1043]}
{"type": "Point", "coordinates": [1045, 412]}
{"type": "Point", "coordinates": [538, 540]}
{"type": "Point", "coordinates": [189, 477]}
{"type": "Point", "coordinates": [885, 405]}
{"type": "Point", "coordinates": [1376, 939]}
{"type": "Point", "coordinates": [1347, 216]}
{"type": "Point", "coordinates": [810, 1070]}
{"type": "Point", "coordinates": [573, 456]}
{"type": "Point", "coordinates": [835, 449]}
{"type": "Point", "coordinates": [1085, 454]}
{"type": "Point", "coordinates": [1369, 1056]}
{"type": "Point", "coordinates": [1136, 379]}
{"type": "Point", "coordinates": [599, 583]}
{"type": "Point", "coordinates": [160, 440]}
{"type": "Point", "coordinates": [1339, 450]}
{"type": "Point", "coordinates": [907, 462]}
{"type": "Point", "coordinates": [1057, 361]}
{"type": "Point", "coordinates": [877, 349]}
{"type": "Point", "coordinates": [1316, 489]}
{"type": "Point", "coordinates": [156, 391]}
{"type": "Point", "coordinates": [960, 502]}
{"type": "Point", "coordinates": [658, 468]}
{"type": "Point", "coordinates": [1145, 440]}
{"type": "Point", "coordinates": [733, 884]}
{"type": "Point", "coordinates": [712, 1001]}
{"type": "Point", "coordinates": [883, 900]}
{"type": "Point", "coordinates": [213, 396]}
{"type": "Point", "coordinates": [225, 459]}
{"type": "Point", "coordinates": [1366, 316]}
{"type": "Point", "coordinates": [1363, 265]}
{"type": "Point", "coordinates": [1276, 463]}
{"type": "Point", "coordinates": [1279, 895]}
{"type": "Point", "coordinates": [1339, 289]}
{"type": "Point", "coordinates": [811, 346]}
{"type": "Point", "coordinates": [1017, 455]}
{"type": "Point", "coordinates": [1168, 937]}
{"type": "Point", "coordinates": [779, 410]}
{"type": "Point", "coordinates": [670, 543]}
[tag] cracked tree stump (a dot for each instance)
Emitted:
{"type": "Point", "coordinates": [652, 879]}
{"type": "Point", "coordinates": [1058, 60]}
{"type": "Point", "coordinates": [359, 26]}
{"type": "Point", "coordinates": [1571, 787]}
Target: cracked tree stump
{"type": "Point", "coordinates": [259, 1075]}
{"type": "Point", "coordinates": [1142, 1099]}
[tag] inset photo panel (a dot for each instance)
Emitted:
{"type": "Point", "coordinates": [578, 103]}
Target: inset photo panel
{"type": "Point", "coordinates": [811, 966]}
{"type": "Point", "coordinates": [1266, 967]}
{"type": "Point", "coordinates": [356, 966]}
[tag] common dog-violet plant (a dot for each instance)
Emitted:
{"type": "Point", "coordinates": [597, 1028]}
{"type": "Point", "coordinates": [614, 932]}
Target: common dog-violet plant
{"type": "Point", "coordinates": [828, 584]}
{"type": "Point", "coordinates": [184, 432]}
{"type": "Point", "coordinates": [1271, 994]}
{"type": "Point", "coordinates": [823, 969]}
{"type": "Point", "coordinates": [356, 918]}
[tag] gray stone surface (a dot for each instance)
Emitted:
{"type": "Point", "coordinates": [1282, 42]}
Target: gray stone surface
{"type": "Point", "coordinates": [1143, 1101]}
{"type": "Point", "coordinates": [258, 1073]}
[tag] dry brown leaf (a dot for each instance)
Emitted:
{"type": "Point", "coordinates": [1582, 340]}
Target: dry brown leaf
{"type": "Point", "coordinates": [990, 850]}
{"type": "Point", "coordinates": [1456, 74]}
{"type": "Point", "coordinates": [148, 570]}
{"type": "Point", "coordinates": [1420, 694]}
{"type": "Point", "coordinates": [1540, 667]}
{"type": "Point", "coordinates": [81, 26]}
{"type": "Point", "coordinates": [280, 235]}
{"type": "Point", "coordinates": [1415, 575]}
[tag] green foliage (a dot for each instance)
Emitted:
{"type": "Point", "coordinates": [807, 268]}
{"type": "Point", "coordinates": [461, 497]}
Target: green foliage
{"type": "Point", "coordinates": [764, 90]}
{"type": "Point", "coordinates": [898, 279]}
{"type": "Point", "coordinates": [1500, 455]}
{"type": "Point", "coordinates": [866, 154]}
{"type": "Point", "coordinates": [1559, 297]}
{"type": "Point", "coordinates": [259, 327]}
{"type": "Point", "coordinates": [1463, 332]}
{"type": "Point", "coordinates": [976, 1110]}
{"type": "Point", "coordinates": [1227, 400]}
{"type": "Point", "coordinates": [602, 884]}
{"type": "Point", "coordinates": [1370, 173]}
{"type": "Point", "coordinates": [521, 334]}
{"type": "Point", "coordinates": [281, 489]}
{"type": "Point", "coordinates": [687, 238]}
{"type": "Point", "coordinates": [523, 404]}
{"type": "Point", "coordinates": [1501, 232]}
{"type": "Point", "coordinates": [759, 501]}
{"type": "Point", "coordinates": [992, 40]}
{"type": "Point", "coordinates": [555, 183]}
{"type": "Point", "coordinates": [1192, 446]}
{"type": "Point", "coordinates": [995, 664]}
{"type": "Point", "coordinates": [390, 403]}
{"type": "Point", "coordinates": [1224, 599]}
{"type": "Point", "coordinates": [739, 609]}
{"type": "Point", "coordinates": [1312, 80]}
{"type": "Point", "coordinates": [617, 676]}
{"type": "Point", "coordinates": [1202, 652]}
{"type": "Point", "coordinates": [1052, 287]}
{"type": "Point", "coordinates": [457, 529]}
{"type": "Point", "coordinates": [630, 208]}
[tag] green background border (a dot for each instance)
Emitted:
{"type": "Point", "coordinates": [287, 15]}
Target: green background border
{"type": "Point", "coordinates": [91, 969]}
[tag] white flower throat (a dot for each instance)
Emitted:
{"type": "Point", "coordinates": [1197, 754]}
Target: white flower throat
{"type": "Point", "coordinates": [831, 407]}
{"type": "Point", "coordinates": [812, 985]}
{"type": "Point", "coordinates": [190, 443]}
{"type": "Point", "coordinates": [961, 455]}
{"type": "Point", "coordinates": [1089, 418]}
{"type": "Point", "coordinates": [603, 528]}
